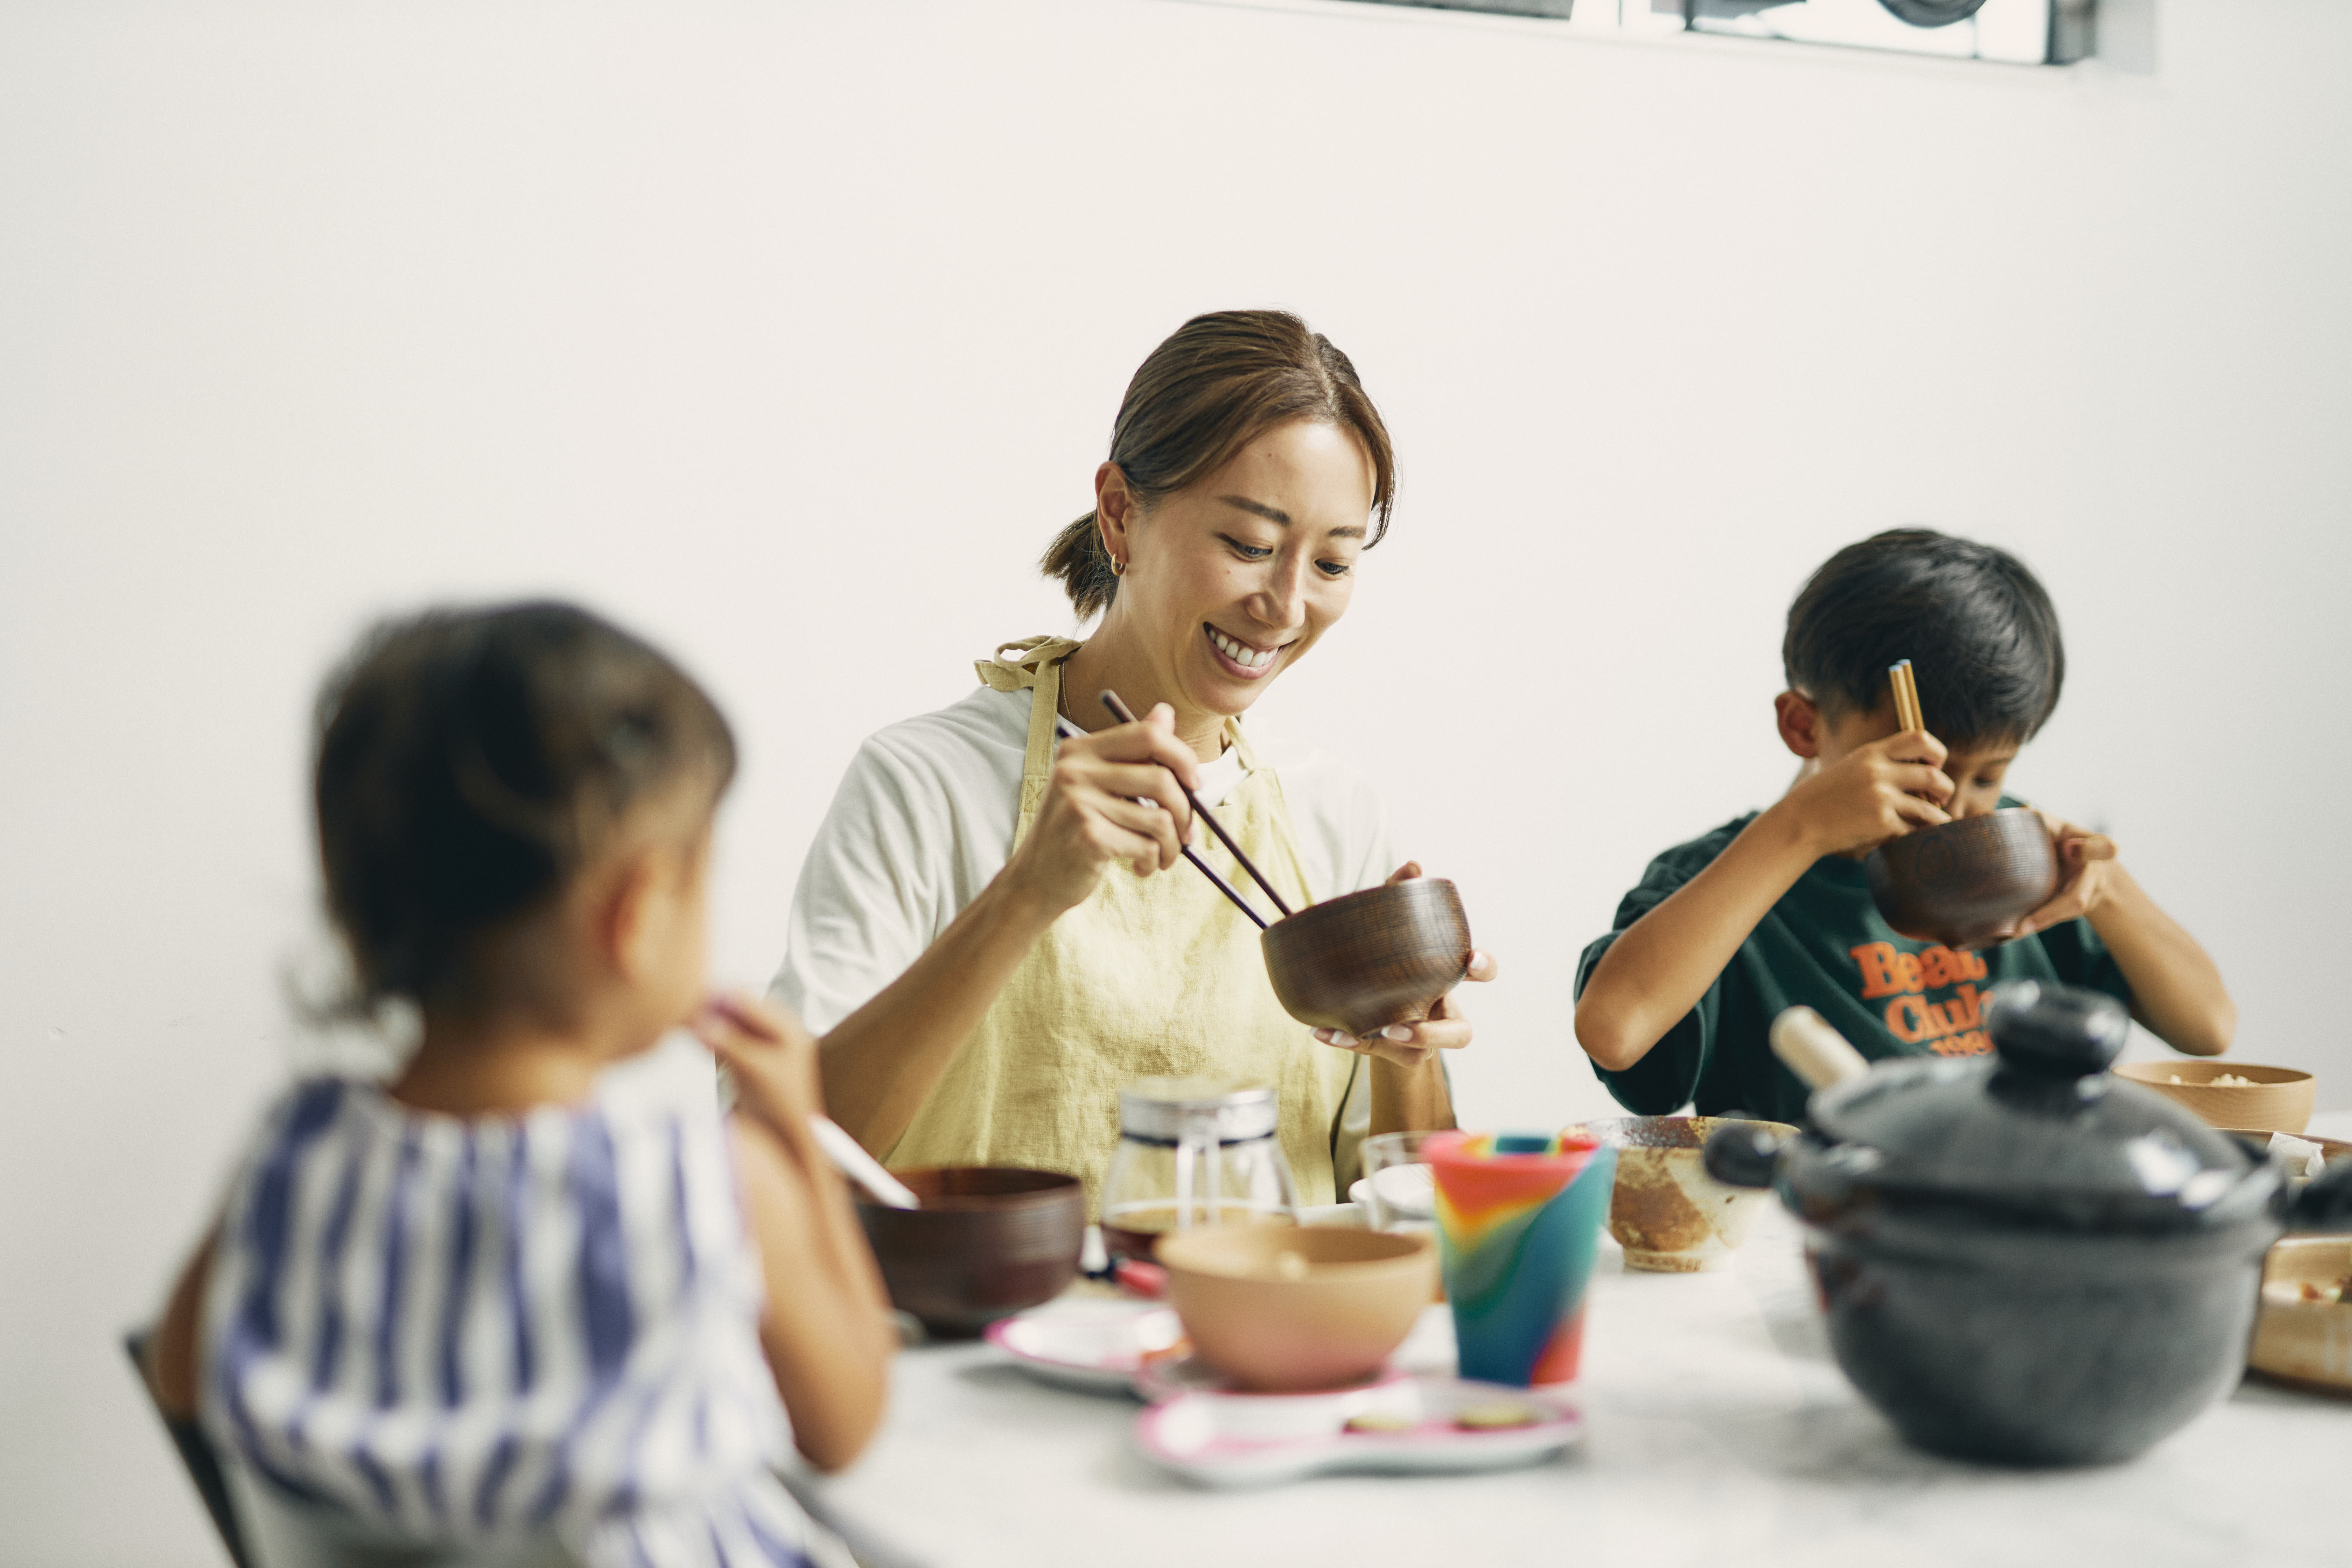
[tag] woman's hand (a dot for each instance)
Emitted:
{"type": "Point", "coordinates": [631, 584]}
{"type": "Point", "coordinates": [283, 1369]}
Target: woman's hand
{"type": "Point", "coordinates": [1110, 798]}
{"type": "Point", "coordinates": [1414, 1045]}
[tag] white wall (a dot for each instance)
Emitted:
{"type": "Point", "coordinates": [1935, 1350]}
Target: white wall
{"type": "Point", "coordinates": [788, 333]}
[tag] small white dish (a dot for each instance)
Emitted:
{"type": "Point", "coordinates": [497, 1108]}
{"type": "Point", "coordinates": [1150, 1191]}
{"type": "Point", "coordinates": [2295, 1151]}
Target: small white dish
{"type": "Point", "coordinates": [1405, 1192]}
{"type": "Point", "coordinates": [1407, 1424]}
{"type": "Point", "coordinates": [1094, 1347]}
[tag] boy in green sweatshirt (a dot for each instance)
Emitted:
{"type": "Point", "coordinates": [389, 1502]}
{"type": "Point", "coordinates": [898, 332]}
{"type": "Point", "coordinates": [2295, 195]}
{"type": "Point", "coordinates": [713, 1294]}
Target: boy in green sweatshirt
{"type": "Point", "coordinates": [1773, 910]}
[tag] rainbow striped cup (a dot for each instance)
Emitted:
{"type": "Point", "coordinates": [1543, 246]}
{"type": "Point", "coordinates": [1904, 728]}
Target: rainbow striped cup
{"type": "Point", "coordinates": [1519, 1221]}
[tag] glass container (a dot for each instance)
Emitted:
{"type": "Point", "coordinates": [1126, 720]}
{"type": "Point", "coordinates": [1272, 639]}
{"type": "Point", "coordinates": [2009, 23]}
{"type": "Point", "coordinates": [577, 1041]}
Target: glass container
{"type": "Point", "coordinates": [1193, 1152]}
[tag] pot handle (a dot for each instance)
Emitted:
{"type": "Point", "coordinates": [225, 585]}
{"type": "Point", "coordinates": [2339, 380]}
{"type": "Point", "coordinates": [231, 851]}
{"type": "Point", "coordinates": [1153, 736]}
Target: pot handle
{"type": "Point", "coordinates": [2323, 1204]}
{"type": "Point", "coordinates": [1743, 1154]}
{"type": "Point", "coordinates": [1814, 1051]}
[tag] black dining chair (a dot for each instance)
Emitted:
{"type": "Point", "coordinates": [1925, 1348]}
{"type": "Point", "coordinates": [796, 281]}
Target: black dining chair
{"type": "Point", "coordinates": [197, 1454]}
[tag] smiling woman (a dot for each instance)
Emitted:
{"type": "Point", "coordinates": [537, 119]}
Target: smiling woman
{"type": "Point", "coordinates": [984, 987]}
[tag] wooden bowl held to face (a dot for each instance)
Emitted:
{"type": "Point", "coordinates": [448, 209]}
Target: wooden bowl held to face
{"type": "Point", "coordinates": [2278, 1100]}
{"type": "Point", "coordinates": [1366, 960]}
{"type": "Point", "coordinates": [1665, 1211]}
{"type": "Point", "coordinates": [1328, 1318]}
{"type": "Point", "coordinates": [1965, 883]}
{"type": "Point", "coordinates": [985, 1244]}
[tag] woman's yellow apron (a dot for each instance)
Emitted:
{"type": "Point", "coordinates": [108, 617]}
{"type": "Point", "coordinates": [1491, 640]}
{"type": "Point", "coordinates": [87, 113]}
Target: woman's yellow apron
{"type": "Point", "coordinates": [1149, 976]}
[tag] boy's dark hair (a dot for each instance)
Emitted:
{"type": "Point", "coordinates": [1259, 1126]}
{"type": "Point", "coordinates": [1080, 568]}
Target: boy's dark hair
{"type": "Point", "coordinates": [471, 762]}
{"type": "Point", "coordinates": [1981, 635]}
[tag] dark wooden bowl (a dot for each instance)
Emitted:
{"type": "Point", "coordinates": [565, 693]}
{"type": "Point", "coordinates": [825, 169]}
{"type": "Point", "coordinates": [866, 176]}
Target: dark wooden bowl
{"type": "Point", "coordinates": [1364, 961]}
{"type": "Point", "coordinates": [1964, 883]}
{"type": "Point", "coordinates": [985, 1244]}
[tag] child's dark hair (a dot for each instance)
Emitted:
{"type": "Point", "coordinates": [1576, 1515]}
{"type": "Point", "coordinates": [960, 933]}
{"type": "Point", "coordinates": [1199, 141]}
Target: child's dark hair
{"type": "Point", "coordinates": [1981, 634]}
{"type": "Point", "coordinates": [471, 762]}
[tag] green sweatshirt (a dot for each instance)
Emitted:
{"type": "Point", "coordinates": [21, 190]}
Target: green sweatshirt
{"type": "Point", "coordinates": [1824, 946]}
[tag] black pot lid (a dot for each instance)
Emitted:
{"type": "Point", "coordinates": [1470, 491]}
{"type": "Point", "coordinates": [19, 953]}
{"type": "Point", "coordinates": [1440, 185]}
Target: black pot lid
{"type": "Point", "coordinates": [2040, 1131]}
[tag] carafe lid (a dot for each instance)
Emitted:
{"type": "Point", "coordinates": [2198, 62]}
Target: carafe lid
{"type": "Point", "coordinates": [2041, 1131]}
{"type": "Point", "coordinates": [1165, 1110]}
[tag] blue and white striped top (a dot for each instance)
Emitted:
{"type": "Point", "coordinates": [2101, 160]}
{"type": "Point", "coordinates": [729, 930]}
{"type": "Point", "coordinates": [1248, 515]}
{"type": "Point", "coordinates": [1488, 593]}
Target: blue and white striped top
{"type": "Point", "coordinates": [468, 1328]}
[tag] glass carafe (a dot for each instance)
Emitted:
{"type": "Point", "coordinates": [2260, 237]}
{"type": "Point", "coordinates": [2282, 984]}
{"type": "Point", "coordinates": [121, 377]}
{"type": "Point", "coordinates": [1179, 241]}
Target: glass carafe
{"type": "Point", "coordinates": [1193, 1152]}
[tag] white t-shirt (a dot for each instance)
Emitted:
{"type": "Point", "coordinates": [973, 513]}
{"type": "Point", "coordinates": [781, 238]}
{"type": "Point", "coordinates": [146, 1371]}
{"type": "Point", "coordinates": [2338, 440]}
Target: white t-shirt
{"type": "Point", "coordinates": [924, 819]}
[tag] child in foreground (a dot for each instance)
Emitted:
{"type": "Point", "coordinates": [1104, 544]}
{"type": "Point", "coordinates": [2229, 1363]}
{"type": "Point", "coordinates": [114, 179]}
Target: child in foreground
{"type": "Point", "coordinates": [1773, 909]}
{"type": "Point", "coordinates": [535, 1288]}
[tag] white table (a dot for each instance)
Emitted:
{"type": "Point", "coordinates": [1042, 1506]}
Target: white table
{"type": "Point", "coordinates": [1719, 1432]}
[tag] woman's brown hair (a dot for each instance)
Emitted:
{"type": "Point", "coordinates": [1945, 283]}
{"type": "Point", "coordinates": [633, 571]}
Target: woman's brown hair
{"type": "Point", "coordinates": [1218, 382]}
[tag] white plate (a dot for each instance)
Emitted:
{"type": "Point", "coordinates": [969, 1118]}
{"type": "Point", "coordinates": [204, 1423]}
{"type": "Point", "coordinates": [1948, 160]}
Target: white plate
{"type": "Point", "coordinates": [1096, 1347]}
{"type": "Point", "coordinates": [1258, 1440]}
{"type": "Point", "coordinates": [1409, 1192]}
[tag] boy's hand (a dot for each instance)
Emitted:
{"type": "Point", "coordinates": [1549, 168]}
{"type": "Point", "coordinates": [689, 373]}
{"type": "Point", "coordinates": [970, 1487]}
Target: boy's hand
{"type": "Point", "coordinates": [1411, 1045]}
{"type": "Point", "coordinates": [2086, 868]}
{"type": "Point", "coordinates": [1879, 791]}
{"type": "Point", "coordinates": [771, 1058]}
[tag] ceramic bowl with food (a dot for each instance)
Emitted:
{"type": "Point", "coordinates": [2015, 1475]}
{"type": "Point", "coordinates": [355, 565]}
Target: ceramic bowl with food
{"type": "Point", "coordinates": [2304, 1333]}
{"type": "Point", "coordinates": [2295, 1152]}
{"type": "Point", "coordinates": [1287, 1310]}
{"type": "Point", "coordinates": [2232, 1094]}
{"type": "Point", "coordinates": [1665, 1211]}
{"type": "Point", "coordinates": [1965, 883]}
{"type": "Point", "coordinates": [985, 1244]}
{"type": "Point", "coordinates": [1366, 960]}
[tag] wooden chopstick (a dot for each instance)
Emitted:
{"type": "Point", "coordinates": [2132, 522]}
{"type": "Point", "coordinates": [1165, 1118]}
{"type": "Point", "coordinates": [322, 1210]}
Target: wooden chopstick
{"type": "Point", "coordinates": [1071, 732]}
{"type": "Point", "coordinates": [1120, 711]}
{"type": "Point", "coordinates": [1907, 695]}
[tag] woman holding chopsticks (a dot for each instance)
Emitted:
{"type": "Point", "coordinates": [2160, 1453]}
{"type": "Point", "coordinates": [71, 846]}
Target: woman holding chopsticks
{"type": "Point", "coordinates": [995, 931]}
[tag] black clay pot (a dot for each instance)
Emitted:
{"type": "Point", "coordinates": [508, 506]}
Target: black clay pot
{"type": "Point", "coordinates": [2023, 1260]}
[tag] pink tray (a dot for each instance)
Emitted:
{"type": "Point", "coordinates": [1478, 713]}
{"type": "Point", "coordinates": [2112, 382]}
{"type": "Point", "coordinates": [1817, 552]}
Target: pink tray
{"type": "Point", "coordinates": [1255, 1439]}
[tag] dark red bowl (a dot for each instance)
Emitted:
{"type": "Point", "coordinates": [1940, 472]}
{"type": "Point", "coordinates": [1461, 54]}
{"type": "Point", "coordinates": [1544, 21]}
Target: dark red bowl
{"type": "Point", "coordinates": [1369, 959]}
{"type": "Point", "coordinates": [1964, 883]}
{"type": "Point", "coordinates": [986, 1243]}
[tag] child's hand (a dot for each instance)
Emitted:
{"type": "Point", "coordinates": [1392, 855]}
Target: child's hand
{"type": "Point", "coordinates": [1412, 1045]}
{"type": "Point", "coordinates": [771, 1058]}
{"type": "Point", "coordinates": [2087, 868]}
{"type": "Point", "coordinates": [1879, 791]}
{"type": "Point", "coordinates": [826, 1329]}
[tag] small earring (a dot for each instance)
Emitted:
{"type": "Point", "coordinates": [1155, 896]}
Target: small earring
{"type": "Point", "coordinates": [1117, 567]}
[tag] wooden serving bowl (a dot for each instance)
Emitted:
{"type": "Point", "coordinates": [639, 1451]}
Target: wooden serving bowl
{"type": "Point", "coordinates": [986, 1243]}
{"type": "Point", "coordinates": [1331, 1318]}
{"type": "Point", "coordinates": [1963, 883]}
{"type": "Point", "coordinates": [1665, 1211]}
{"type": "Point", "coordinates": [2300, 1341]}
{"type": "Point", "coordinates": [2278, 1101]}
{"type": "Point", "coordinates": [1366, 960]}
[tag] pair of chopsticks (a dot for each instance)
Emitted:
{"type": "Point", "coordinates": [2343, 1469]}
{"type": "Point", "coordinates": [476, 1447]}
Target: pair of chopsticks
{"type": "Point", "coordinates": [1908, 716]}
{"type": "Point", "coordinates": [1125, 715]}
{"type": "Point", "coordinates": [1907, 695]}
